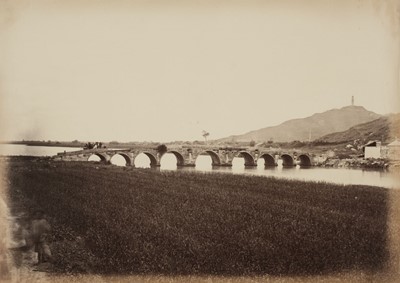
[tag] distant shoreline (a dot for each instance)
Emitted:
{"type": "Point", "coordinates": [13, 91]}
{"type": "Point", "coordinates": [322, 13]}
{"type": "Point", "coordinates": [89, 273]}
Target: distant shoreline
{"type": "Point", "coordinates": [44, 143]}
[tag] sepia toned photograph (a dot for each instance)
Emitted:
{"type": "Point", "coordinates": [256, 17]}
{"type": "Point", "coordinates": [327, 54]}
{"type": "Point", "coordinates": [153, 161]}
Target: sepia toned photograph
{"type": "Point", "coordinates": [199, 141]}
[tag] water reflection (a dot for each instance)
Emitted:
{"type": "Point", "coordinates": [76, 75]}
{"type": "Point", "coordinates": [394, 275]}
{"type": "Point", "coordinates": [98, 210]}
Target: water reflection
{"type": "Point", "coordinates": [382, 178]}
{"type": "Point", "coordinates": [27, 150]}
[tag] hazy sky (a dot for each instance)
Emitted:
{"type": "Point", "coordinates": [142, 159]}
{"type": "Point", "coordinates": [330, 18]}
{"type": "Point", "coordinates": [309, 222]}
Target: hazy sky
{"type": "Point", "coordinates": [164, 71]}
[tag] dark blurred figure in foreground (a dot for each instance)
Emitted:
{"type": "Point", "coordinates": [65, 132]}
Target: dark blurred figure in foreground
{"type": "Point", "coordinates": [36, 237]}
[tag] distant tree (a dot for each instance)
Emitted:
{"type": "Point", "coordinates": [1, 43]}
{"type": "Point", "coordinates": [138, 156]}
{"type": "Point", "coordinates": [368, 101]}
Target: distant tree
{"type": "Point", "coordinates": [205, 135]}
{"type": "Point", "coordinates": [75, 141]}
{"type": "Point", "coordinates": [88, 145]}
{"type": "Point", "coordinates": [162, 148]}
{"type": "Point", "coordinates": [252, 143]}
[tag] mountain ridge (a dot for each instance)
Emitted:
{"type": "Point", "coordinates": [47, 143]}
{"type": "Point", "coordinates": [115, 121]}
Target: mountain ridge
{"type": "Point", "coordinates": [318, 125]}
{"type": "Point", "coordinates": [385, 129]}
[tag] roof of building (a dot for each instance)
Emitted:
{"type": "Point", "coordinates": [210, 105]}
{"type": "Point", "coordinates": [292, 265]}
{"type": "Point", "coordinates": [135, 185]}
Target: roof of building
{"type": "Point", "coordinates": [371, 143]}
{"type": "Point", "coordinates": [394, 143]}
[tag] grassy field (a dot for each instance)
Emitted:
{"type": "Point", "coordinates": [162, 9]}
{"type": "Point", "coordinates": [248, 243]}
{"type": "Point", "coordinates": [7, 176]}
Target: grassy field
{"type": "Point", "coordinates": [109, 220]}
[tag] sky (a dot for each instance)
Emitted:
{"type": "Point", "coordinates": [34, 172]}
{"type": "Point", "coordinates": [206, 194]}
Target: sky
{"type": "Point", "coordinates": [167, 70]}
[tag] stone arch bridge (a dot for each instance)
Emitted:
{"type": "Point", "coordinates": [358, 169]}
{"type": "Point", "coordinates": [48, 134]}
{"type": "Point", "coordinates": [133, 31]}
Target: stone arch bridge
{"type": "Point", "coordinates": [186, 156]}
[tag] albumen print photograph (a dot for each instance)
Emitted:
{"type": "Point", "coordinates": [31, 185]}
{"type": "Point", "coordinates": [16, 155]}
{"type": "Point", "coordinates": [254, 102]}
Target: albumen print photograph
{"type": "Point", "coordinates": [199, 141]}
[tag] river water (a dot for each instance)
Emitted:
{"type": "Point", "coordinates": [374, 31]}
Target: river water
{"type": "Point", "coordinates": [25, 150]}
{"type": "Point", "coordinates": [382, 178]}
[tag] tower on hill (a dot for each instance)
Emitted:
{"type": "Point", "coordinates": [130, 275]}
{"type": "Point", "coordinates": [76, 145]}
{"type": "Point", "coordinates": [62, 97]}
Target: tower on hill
{"type": "Point", "coordinates": [352, 100]}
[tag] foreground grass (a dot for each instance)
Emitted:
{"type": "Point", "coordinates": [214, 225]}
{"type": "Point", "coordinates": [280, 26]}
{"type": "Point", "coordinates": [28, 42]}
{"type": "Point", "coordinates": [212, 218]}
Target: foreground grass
{"type": "Point", "coordinates": [175, 223]}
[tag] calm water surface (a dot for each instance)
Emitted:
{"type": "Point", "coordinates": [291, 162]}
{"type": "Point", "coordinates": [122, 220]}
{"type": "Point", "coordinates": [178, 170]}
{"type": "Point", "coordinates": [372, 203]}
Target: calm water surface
{"type": "Point", "coordinates": [25, 150]}
{"type": "Point", "coordinates": [382, 178]}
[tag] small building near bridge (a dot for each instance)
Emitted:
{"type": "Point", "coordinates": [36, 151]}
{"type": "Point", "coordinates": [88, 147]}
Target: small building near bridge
{"type": "Point", "coordinates": [372, 149]}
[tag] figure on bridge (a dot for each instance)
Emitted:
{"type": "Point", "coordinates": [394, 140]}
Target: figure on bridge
{"type": "Point", "coordinates": [94, 145]}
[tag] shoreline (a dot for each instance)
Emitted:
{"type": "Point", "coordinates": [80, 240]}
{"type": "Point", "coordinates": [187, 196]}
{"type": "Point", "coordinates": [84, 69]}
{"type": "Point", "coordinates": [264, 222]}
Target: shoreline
{"type": "Point", "coordinates": [361, 163]}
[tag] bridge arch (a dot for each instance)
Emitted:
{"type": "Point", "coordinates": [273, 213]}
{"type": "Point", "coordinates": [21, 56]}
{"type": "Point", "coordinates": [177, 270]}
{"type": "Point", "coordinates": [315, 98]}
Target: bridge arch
{"type": "Point", "coordinates": [153, 159]}
{"type": "Point", "coordinates": [180, 161]}
{"type": "Point", "coordinates": [287, 160]}
{"type": "Point", "coordinates": [269, 160]}
{"type": "Point", "coordinates": [248, 158]}
{"type": "Point", "coordinates": [305, 160]}
{"type": "Point", "coordinates": [128, 159]}
{"type": "Point", "coordinates": [103, 157]}
{"type": "Point", "coordinates": [214, 157]}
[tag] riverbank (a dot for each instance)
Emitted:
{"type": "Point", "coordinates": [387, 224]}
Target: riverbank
{"type": "Point", "coordinates": [119, 220]}
{"type": "Point", "coordinates": [362, 163]}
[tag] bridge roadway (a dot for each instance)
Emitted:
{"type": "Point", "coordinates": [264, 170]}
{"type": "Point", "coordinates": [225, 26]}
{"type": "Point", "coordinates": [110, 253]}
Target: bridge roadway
{"type": "Point", "coordinates": [186, 155]}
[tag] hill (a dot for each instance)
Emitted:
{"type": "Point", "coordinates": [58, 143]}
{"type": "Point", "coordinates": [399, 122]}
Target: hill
{"type": "Point", "coordinates": [318, 125]}
{"type": "Point", "coordinates": [385, 129]}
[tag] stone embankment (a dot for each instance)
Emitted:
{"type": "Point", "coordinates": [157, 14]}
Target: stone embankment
{"type": "Point", "coordinates": [359, 163]}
